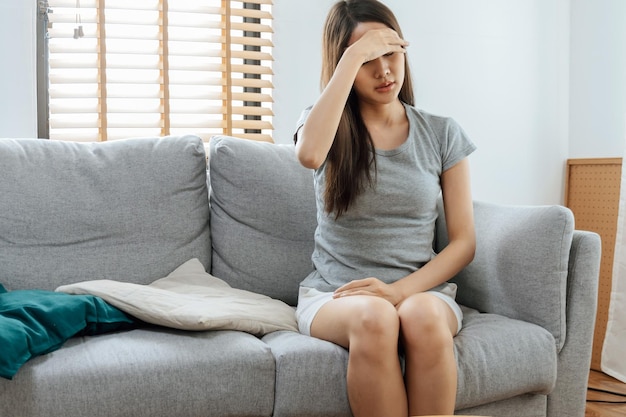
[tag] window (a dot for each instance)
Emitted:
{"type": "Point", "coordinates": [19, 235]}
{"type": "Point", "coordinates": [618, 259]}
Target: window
{"type": "Point", "coordinates": [119, 68]}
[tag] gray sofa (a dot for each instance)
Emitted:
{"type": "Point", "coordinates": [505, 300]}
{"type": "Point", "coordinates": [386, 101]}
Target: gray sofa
{"type": "Point", "coordinates": [136, 209]}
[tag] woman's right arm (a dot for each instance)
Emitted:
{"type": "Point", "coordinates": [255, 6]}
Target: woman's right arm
{"type": "Point", "coordinates": [318, 132]}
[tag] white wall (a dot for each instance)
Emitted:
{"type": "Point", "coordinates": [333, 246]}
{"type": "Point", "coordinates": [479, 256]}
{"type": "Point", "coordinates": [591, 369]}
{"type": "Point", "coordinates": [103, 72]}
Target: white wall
{"type": "Point", "coordinates": [598, 79]}
{"type": "Point", "coordinates": [18, 91]}
{"type": "Point", "coordinates": [297, 64]}
{"type": "Point", "coordinates": [499, 67]}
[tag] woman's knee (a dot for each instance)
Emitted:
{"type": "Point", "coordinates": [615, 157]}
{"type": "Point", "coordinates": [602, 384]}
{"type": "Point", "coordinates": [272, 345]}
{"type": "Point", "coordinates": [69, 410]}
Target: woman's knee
{"type": "Point", "coordinates": [424, 321]}
{"type": "Point", "coordinates": [375, 317]}
{"type": "Point", "coordinates": [375, 323]}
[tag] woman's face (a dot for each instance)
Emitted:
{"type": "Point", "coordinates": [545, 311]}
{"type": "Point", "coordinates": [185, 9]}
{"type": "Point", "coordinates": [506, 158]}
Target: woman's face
{"type": "Point", "coordinates": [378, 81]}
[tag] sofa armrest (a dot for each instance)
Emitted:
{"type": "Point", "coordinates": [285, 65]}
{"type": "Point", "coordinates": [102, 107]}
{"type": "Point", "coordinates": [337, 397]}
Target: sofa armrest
{"type": "Point", "coordinates": [568, 397]}
{"type": "Point", "coordinates": [521, 263]}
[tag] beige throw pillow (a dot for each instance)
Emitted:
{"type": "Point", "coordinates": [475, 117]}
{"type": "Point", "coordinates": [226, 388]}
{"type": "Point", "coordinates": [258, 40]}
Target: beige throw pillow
{"type": "Point", "coordinates": [191, 299]}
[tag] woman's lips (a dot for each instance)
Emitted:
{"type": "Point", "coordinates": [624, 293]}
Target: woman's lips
{"type": "Point", "coordinates": [385, 87]}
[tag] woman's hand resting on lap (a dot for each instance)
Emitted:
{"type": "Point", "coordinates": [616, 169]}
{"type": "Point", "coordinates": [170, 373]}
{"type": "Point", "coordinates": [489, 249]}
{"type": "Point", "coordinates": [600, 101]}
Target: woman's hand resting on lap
{"type": "Point", "coordinates": [369, 286]}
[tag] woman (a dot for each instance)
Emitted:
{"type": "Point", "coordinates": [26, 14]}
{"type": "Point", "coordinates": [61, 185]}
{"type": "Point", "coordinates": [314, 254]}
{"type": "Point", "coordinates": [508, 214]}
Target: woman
{"type": "Point", "coordinates": [380, 166]}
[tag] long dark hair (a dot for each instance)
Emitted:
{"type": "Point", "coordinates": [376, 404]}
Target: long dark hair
{"type": "Point", "coordinates": [352, 153]}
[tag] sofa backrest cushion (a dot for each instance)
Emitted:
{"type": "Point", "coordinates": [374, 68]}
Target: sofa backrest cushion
{"type": "Point", "coordinates": [521, 263]}
{"type": "Point", "coordinates": [131, 210]}
{"type": "Point", "coordinates": [263, 216]}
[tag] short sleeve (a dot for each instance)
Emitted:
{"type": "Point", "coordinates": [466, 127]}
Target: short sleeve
{"type": "Point", "coordinates": [300, 123]}
{"type": "Point", "coordinates": [456, 146]}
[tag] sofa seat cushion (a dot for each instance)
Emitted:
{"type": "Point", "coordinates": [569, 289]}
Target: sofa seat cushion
{"type": "Point", "coordinates": [527, 405]}
{"type": "Point", "coordinates": [499, 358]}
{"type": "Point", "coordinates": [490, 350]}
{"type": "Point", "coordinates": [149, 372]}
{"type": "Point", "coordinates": [131, 210]}
{"type": "Point", "coordinates": [310, 376]}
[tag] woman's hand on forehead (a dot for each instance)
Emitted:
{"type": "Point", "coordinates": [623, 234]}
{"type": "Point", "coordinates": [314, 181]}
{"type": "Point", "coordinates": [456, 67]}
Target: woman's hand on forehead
{"type": "Point", "coordinates": [373, 43]}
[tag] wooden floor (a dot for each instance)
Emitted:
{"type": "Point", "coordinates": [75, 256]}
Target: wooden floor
{"type": "Point", "coordinates": [606, 396]}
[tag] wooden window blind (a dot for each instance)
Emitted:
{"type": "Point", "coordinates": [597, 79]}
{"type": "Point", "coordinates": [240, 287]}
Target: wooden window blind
{"type": "Point", "coordinates": [120, 68]}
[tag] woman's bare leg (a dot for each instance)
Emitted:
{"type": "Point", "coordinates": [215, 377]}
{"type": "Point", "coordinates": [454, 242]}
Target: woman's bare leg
{"type": "Point", "coordinates": [428, 326]}
{"type": "Point", "coordinates": [369, 328]}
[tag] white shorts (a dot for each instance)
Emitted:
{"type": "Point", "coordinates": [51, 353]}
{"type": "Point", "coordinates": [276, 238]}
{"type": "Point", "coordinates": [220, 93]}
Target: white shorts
{"type": "Point", "coordinates": [311, 300]}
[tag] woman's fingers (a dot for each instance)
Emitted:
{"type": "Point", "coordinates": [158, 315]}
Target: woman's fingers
{"type": "Point", "coordinates": [378, 42]}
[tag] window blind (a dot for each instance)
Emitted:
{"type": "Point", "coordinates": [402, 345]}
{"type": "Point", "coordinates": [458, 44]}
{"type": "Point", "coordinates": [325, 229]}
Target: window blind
{"type": "Point", "coordinates": [119, 68]}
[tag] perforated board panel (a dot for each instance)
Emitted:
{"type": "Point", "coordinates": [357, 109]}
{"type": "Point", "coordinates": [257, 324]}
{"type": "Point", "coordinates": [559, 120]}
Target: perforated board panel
{"type": "Point", "coordinates": [592, 192]}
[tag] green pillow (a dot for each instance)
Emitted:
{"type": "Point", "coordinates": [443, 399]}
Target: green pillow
{"type": "Point", "coordinates": [35, 322]}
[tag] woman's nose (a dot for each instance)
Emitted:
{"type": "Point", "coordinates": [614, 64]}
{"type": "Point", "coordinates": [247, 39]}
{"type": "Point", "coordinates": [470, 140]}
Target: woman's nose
{"type": "Point", "coordinates": [382, 67]}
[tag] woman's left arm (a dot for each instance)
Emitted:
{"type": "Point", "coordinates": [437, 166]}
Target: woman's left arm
{"type": "Point", "coordinates": [459, 212]}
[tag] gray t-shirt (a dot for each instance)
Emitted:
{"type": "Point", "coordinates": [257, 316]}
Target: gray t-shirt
{"type": "Point", "coordinates": [388, 231]}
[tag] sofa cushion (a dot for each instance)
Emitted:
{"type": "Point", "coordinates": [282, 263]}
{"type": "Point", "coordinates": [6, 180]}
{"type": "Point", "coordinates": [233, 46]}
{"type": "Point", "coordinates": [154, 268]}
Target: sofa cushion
{"type": "Point", "coordinates": [131, 209]}
{"type": "Point", "coordinates": [527, 405]}
{"type": "Point", "coordinates": [310, 376]}
{"type": "Point", "coordinates": [521, 263]}
{"type": "Point", "coordinates": [35, 322]}
{"type": "Point", "coordinates": [146, 373]}
{"type": "Point", "coordinates": [499, 358]}
{"type": "Point", "coordinates": [262, 216]}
